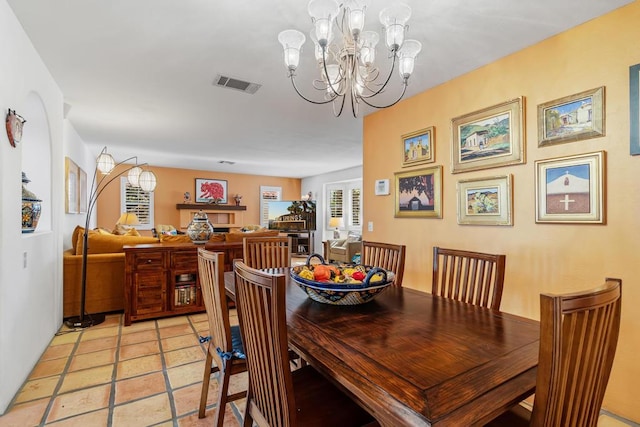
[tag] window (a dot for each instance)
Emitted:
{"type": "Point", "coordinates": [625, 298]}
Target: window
{"type": "Point", "coordinates": [267, 193]}
{"type": "Point", "coordinates": [140, 202]}
{"type": "Point", "coordinates": [344, 200]}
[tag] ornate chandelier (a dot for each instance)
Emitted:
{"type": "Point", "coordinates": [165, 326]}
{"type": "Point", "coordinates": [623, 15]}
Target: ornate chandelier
{"type": "Point", "coordinates": [347, 67]}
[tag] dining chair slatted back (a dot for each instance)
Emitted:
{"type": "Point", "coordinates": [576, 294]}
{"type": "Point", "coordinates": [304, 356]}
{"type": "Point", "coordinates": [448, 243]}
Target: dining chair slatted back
{"type": "Point", "coordinates": [225, 345]}
{"type": "Point", "coordinates": [578, 338]}
{"type": "Point", "coordinates": [471, 277]}
{"type": "Point", "coordinates": [277, 396]}
{"type": "Point", "coordinates": [267, 252]}
{"type": "Point", "coordinates": [385, 255]}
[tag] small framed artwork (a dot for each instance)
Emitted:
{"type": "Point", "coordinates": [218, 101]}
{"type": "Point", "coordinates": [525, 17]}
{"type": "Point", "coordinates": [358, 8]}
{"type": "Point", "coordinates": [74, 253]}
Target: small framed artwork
{"type": "Point", "coordinates": [485, 201]}
{"type": "Point", "coordinates": [488, 138]}
{"type": "Point", "coordinates": [634, 98]}
{"type": "Point", "coordinates": [571, 189]}
{"type": "Point", "coordinates": [82, 187]}
{"type": "Point", "coordinates": [211, 191]}
{"type": "Point", "coordinates": [572, 118]}
{"type": "Point", "coordinates": [418, 147]}
{"type": "Point", "coordinates": [382, 187]}
{"type": "Point", "coordinates": [71, 174]}
{"type": "Point", "coordinates": [419, 193]}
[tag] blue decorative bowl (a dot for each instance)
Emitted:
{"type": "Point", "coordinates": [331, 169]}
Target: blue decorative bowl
{"type": "Point", "coordinates": [342, 293]}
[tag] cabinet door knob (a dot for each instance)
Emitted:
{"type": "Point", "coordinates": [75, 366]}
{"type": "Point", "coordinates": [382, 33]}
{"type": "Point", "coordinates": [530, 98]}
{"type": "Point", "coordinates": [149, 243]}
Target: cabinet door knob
{"type": "Point", "coordinates": [148, 261]}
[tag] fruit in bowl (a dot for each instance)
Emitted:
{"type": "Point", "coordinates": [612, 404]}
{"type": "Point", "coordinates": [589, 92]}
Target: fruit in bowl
{"type": "Point", "coordinates": [344, 284]}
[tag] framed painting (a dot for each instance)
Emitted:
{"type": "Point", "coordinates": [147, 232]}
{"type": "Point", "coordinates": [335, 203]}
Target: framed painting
{"type": "Point", "coordinates": [418, 147]}
{"type": "Point", "coordinates": [634, 92]}
{"type": "Point", "coordinates": [572, 118]}
{"type": "Point", "coordinates": [488, 138]}
{"type": "Point", "coordinates": [419, 193]}
{"type": "Point", "coordinates": [82, 187]}
{"type": "Point", "coordinates": [485, 201]}
{"type": "Point", "coordinates": [571, 189]}
{"type": "Point", "coordinates": [71, 192]}
{"type": "Point", "coordinates": [211, 191]}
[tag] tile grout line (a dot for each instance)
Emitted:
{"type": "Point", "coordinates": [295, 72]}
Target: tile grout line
{"type": "Point", "coordinates": [167, 382]}
{"type": "Point", "coordinates": [63, 374]}
{"type": "Point", "coordinates": [114, 375]}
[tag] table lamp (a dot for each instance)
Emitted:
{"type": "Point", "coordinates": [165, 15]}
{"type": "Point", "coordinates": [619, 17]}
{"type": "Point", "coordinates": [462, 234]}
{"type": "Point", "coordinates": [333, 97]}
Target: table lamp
{"type": "Point", "coordinates": [336, 223]}
{"type": "Point", "coordinates": [128, 218]}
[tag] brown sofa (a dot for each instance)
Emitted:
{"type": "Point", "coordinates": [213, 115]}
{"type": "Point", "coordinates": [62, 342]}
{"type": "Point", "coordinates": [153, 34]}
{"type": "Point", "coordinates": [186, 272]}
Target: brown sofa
{"type": "Point", "coordinates": [105, 267]}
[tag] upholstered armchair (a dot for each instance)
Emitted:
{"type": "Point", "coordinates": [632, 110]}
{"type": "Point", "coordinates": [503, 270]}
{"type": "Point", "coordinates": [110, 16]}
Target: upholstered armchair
{"type": "Point", "coordinates": [342, 250]}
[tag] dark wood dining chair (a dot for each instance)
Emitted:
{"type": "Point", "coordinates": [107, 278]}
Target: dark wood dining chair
{"type": "Point", "coordinates": [472, 277]}
{"type": "Point", "coordinates": [267, 252]}
{"type": "Point", "coordinates": [578, 338]}
{"type": "Point", "coordinates": [385, 255]}
{"type": "Point", "coordinates": [276, 395]}
{"type": "Point", "coordinates": [225, 344]}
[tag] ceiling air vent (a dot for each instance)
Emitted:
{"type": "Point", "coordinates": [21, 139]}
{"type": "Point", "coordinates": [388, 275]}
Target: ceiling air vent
{"type": "Point", "coordinates": [231, 83]}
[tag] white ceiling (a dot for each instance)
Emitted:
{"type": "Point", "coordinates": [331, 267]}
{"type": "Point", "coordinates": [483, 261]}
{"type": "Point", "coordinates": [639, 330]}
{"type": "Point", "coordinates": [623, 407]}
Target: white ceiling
{"type": "Point", "coordinates": [137, 74]}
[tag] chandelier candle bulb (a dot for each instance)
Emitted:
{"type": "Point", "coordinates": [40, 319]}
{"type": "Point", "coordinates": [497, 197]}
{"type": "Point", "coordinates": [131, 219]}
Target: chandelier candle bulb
{"type": "Point", "coordinates": [347, 67]}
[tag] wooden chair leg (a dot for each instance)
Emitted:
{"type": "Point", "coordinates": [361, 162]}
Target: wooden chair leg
{"type": "Point", "coordinates": [205, 384]}
{"type": "Point", "coordinates": [223, 389]}
{"type": "Point", "coordinates": [248, 420]}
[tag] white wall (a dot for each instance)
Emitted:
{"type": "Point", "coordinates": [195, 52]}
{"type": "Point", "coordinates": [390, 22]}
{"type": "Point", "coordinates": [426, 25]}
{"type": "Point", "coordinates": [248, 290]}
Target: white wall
{"type": "Point", "coordinates": [315, 184]}
{"type": "Point", "coordinates": [31, 296]}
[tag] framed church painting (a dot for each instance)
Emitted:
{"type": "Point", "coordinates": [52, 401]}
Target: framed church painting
{"type": "Point", "coordinates": [418, 147]}
{"type": "Point", "coordinates": [571, 189]}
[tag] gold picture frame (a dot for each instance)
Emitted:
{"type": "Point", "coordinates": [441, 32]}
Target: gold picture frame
{"type": "Point", "coordinates": [71, 181]}
{"type": "Point", "coordinates": [419, 147]}
{"type": "Point", "coordinates": [572, 118]}
{"type": "Point", "coordinates": [571, 189]}
{"type": "Point", "coordinates": [419, 193]}
{"type": "Point", "coordinates": [486, 201]}
{"type": "Point", "coordinates": [489, 138]}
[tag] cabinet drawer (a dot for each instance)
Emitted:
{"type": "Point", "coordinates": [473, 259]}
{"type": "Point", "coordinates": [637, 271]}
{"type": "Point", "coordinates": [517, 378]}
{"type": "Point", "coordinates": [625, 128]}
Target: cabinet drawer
{"type": "Point", "coordinates": [149, 260]}
{"type": "Point", "coordinates": [188, 261]}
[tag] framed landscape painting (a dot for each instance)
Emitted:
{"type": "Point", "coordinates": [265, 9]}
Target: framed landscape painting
{"type": "Point", "coordinates": [488, 138]}
{"type": "Point", "coordinates": [485, 201]}
{"type": "Point", "coordinates": [572, 118]}
{"type": "Point", "coordinates": [418, 147]}
{"type": "Point", "coordinates": [571, 189]}
{"type": "Point", "coordinates": [419, 193]}
{"type": "Point", "coordinates": [211, 191]}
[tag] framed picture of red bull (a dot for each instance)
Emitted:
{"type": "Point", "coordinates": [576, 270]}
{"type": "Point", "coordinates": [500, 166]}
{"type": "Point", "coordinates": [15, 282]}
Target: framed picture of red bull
{"type": "Point", "coordinates": [571, 189]}
{"type": "Point", "coordinates": [211, 191]}
{"type": "Point", "coordinates": [489, 138]}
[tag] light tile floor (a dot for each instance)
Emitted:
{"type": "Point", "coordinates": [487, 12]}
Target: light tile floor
{"type": "Point", "coordinates": [146, 374]}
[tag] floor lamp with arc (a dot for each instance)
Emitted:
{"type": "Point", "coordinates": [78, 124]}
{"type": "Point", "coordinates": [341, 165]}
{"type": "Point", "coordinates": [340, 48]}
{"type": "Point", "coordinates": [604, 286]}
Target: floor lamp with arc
{"type": "Point", "coordinates": [137, 177]}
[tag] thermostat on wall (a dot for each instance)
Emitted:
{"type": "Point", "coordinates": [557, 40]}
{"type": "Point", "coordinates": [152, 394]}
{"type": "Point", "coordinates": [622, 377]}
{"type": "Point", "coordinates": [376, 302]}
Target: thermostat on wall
{"type": "Point", "coordinates": [382, 187]}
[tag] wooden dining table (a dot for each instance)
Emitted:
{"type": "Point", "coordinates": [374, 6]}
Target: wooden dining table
{"type": "Point", "coordinates": [414, 359]}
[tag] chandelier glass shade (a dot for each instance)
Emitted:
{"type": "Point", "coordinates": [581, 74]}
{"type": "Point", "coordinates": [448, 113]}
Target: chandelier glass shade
{"type": "Point", "coordinates": [347, 65]}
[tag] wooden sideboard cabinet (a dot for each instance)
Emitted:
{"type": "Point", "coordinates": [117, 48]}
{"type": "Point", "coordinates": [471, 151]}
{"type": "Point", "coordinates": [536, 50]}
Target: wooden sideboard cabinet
{"type": "Point", "coordinates": [162, 279]}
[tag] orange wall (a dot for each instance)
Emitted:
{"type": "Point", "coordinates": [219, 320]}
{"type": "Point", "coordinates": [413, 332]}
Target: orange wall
{"type": "Point", "coordinates": [172, 184]}
{"type": "Point", "coordinates": [540, 257]}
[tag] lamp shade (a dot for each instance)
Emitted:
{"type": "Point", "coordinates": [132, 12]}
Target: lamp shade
{"type": "Point", "coordinates": [336, 223]}
{"type": "Point", "coordinates": [128, 218]}
{"type": "Point", "coordinates": [105, 162]}
{"type": "Point", "coordinates": [147, 181]}
{"type": "Point", "coordinates": [134, 176]}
